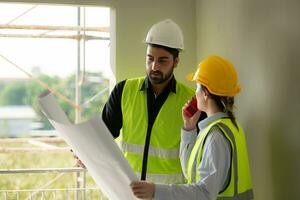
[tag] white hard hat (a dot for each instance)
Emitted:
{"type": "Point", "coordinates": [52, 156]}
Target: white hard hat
{"type": "Point", "coordinates": [166, 33]}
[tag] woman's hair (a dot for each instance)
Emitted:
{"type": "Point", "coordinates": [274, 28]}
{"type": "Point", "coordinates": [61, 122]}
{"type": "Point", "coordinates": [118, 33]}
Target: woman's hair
{"type": "Point", "coordinates": [225, 103]}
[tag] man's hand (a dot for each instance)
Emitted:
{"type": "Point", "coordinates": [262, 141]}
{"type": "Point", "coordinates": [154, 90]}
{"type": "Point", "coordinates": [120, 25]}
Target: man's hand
{"type": "Point", "coordinates": [78, 163]}
{"type": "Point", "coordinates": [143, 189]}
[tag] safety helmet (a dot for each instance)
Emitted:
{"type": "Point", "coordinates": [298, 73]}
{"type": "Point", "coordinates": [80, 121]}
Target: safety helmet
{"type": "Point", "coordinates": [166, 33]}
{"type": "Point", "coordinates": [217, 75]}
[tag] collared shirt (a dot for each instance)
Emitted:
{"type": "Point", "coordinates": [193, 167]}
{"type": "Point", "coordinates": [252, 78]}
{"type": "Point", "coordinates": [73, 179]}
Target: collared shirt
{"type": "Point", "coordinates": [112, 111]}
{"type": "Point", "coordinates": [213, 167]}
{"type": "Point", "coordinates": [154, 103]}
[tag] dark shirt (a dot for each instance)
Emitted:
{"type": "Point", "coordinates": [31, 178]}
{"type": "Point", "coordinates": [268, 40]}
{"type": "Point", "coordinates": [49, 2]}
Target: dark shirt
{"type": "Point", "coordinates": [112, 112]}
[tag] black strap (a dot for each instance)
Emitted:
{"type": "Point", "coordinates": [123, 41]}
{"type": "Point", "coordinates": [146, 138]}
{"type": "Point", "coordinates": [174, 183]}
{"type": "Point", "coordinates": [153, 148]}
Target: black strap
{"type": "Point", "coordinates": [146, 150]}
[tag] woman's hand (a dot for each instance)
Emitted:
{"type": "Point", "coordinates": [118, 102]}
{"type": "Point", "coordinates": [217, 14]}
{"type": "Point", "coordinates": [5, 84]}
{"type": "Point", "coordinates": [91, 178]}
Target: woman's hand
{"type": "Point", "coordinates": [189, 123]}
{"type": "Point", "coordinates": [143, 189]}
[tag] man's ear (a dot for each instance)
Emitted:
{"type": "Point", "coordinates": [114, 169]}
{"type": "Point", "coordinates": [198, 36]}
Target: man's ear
{"type": "Point", "coordinates": [176, 61]}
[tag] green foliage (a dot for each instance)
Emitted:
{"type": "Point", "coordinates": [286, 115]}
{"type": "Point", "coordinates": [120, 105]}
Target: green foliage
{"type": "Point", "coordinates": [26, 93]}
{"type": "Point", "coordinates": [13, 94]}
{"type": "Point", "coordinates": [1, 86]}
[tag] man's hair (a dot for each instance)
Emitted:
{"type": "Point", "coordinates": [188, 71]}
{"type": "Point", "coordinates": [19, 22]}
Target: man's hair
{"type": "Point", "coordinates": [174, 52]}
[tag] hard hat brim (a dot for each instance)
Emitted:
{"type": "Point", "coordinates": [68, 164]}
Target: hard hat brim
{"type": "Point", "coordinates": [193, 77]}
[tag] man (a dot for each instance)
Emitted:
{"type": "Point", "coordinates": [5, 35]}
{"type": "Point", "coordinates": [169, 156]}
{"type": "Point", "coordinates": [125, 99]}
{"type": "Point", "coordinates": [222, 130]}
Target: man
{"type": "Point", "coordinates": [145, 112]}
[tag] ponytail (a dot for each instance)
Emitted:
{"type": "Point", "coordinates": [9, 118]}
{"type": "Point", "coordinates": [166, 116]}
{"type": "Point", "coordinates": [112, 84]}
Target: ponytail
{"type": "Point", "coordinates": [226, 104]}
{"type": "Point", "coordinates": [227, 107]}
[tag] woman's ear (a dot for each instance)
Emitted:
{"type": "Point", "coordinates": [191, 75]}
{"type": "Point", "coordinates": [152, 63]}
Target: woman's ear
{"type": "Point", "coordinates": [205, 94]}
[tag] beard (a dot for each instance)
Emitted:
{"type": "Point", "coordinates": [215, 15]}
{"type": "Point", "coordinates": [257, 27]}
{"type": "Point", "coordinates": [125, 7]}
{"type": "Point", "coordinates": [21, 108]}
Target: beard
{"type": "Point", "coordinates": [157, 77]}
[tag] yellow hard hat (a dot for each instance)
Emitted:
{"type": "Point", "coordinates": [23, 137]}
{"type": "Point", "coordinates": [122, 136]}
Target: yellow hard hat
{"type": "Point", "coordinates": [217, 75]}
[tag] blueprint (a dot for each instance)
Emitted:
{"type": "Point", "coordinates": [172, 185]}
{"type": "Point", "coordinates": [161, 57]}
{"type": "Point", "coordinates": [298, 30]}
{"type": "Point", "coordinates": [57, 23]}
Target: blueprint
{"type": "Point", "coordinates": [92, 142]}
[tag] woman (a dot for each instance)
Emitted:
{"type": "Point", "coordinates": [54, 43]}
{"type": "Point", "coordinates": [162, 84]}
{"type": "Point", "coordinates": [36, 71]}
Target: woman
{"type": "Point", "coordinates": [215, 162]}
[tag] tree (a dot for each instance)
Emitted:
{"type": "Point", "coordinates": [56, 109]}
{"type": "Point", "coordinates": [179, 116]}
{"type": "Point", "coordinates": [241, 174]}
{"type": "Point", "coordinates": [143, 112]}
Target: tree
{"type": "Point", "coordinates": [26, 93]}
{"type": "Point", "coordinates": [13, 94]}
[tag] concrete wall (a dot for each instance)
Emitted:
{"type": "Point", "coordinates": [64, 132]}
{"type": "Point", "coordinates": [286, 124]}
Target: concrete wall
{"type": "Point", "coordinates": [262, 39]}
{"type": "Point", "coordinates": [135, 17]}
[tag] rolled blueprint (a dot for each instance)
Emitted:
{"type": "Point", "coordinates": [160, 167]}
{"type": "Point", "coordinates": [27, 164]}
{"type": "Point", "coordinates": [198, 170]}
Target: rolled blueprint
{"type": "Point", "coordinates": [92, 142]}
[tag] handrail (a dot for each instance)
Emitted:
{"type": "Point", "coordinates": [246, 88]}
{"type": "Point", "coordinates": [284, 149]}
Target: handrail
{"type": "Point", "coordinates": [42, 170]}
{"type": "Point", "coordinates": [58, 189]}
{"type": "Point", "coordinates": [54, 28]}
{"type": "Point", "coordinates": [80, 192]}
{"type": "Point", "coordinates": [25, 140]}
{"type": "Point", "coordinates": [35, 150]}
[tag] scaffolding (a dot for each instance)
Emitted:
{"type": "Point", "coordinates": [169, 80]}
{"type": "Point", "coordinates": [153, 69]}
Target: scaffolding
{"type": "Point", "coordinates": [43, 193]}
{"type": "Point", "coordinates": [78, 33]}
{"type": "Point", "coordinates": [81, 37]}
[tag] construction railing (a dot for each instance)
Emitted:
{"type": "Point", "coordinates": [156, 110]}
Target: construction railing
{"type": "Point", "coordinates": [79, 193]}
{"type": "Point", "coordinates": [47, 191]}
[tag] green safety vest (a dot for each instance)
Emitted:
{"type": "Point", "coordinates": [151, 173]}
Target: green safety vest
{"type": "Point", "coordinates": [163, 157]}
{"type": "Point", "coordinates": [239, 186]}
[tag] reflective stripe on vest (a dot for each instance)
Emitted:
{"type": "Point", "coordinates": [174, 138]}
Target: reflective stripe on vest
{"type": "Point", "coordinates": [153, 151]}
{"type": "Point", "coordinates": [163, 154]}
{"type": "Point", "coordinates": [236, 189]}
{"type": "Point", "coordinates": [164, 178]}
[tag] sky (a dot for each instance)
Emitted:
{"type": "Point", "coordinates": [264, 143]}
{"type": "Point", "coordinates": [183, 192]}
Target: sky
{"type": "Point", "coordinates": [52, 56]}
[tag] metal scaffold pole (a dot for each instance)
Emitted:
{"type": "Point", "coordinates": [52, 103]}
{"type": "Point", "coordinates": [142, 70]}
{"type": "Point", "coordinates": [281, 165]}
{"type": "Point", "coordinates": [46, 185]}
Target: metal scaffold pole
{"type": "Point", "coordinates": [78, 74]}
{"type": "Point", "coordinates": [78, 94]}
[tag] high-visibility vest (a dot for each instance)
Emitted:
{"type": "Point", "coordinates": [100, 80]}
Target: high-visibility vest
{"type": "Point", "coordinates": [239, 185]}
{"type": "Point", "coordinates": [163, 164]}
